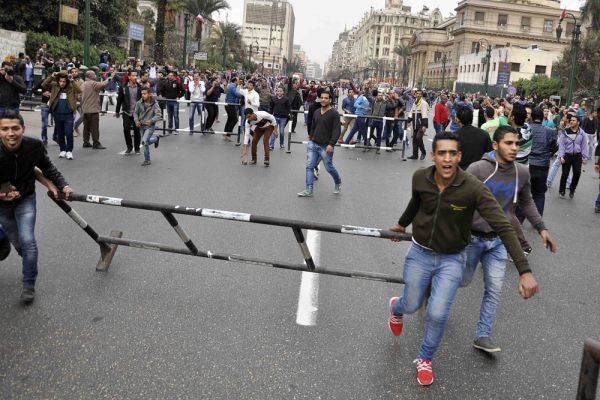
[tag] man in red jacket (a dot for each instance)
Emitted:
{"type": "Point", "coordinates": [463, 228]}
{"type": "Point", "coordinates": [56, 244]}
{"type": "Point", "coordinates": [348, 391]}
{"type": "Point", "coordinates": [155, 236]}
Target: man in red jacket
{"type": "Point", "coordinates": [440, 119]}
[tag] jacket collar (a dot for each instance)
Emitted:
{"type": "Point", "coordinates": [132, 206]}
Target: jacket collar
{"type": "Point", "coordinates": [459, 178]}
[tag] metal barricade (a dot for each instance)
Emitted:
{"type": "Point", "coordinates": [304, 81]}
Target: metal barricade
{"type": "Point", "coordinates": [590, 369]}
{"type": "Point", "coordinates": [108, 244]}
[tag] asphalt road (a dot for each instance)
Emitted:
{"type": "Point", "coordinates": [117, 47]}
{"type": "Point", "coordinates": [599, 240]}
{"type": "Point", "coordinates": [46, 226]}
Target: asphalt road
{"type": "Point", "coordinates": [164, 326]}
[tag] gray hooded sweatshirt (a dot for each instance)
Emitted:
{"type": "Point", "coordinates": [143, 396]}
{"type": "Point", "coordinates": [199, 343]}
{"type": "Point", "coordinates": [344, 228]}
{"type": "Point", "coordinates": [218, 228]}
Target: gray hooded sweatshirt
{"type": "Point", "coordinates": [509, 183]}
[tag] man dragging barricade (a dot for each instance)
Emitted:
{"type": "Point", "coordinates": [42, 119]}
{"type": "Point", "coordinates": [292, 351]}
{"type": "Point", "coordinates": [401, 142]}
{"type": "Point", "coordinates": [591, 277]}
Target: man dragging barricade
{"type": "Point", "coordinates": [444, 199]}
{"type": "Point", "coordinates": [509, 183]}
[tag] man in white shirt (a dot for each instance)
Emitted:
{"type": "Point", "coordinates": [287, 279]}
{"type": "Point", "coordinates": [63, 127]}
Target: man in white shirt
{"type": "Point", "coordinates": [251, 100]}
{"type": "Point", "coordinates": [197, 89]}
{"type": "Point", "coordinates": [264, 124]}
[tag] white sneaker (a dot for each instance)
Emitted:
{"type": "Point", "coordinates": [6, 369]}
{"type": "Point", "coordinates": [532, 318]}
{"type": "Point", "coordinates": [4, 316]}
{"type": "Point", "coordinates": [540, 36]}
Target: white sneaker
{"type": "Point", "coordinates": [62, 154]}
{"type": "Point", "coordinates": [69, 155]}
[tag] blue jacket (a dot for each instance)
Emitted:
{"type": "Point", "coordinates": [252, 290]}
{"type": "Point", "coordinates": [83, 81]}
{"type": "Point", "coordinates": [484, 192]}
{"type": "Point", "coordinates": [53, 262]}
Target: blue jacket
{"type": "Point", "coordinates": [231, 95]}
{"type": "Point", "coordinates": [362, 105]}
{"type": "Point", "coordinates": [543, 140]}
{"type": "Point", "coordinates": [348, 104]}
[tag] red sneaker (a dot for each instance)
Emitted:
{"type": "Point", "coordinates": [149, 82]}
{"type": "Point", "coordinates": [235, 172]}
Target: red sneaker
{"type": "Point", "coordinates": [424, 372]}
{"type": "Point", "coordinates": [395, 321]}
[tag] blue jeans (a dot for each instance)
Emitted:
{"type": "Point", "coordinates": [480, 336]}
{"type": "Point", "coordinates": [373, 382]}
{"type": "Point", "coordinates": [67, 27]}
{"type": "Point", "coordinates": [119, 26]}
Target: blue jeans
{"type": "Point", "coordinates": [64, 131]}
{"type": "Point", "coordinates": [306, 107]}
{"type": "Point", "coordinates": [314, 154]}
{"type": "Point", "coordinates": [13, 109]}
{"type": "Point", "coordinates": [443, 272]}
{"type": "Point", "coordinates": [439, 128]}
{"type": "Point", "coordinates": [192, 108]}
{"type": "Point", "coordinates": [79, 120]}
{"type": "Point", "coordinates": [147, 139]}
{"type": "Point", "coordinates": [281, 123]}
{"type": "Point", "coordinates": [397, 132]}
{"type": "Point", "coordinates": [493, 257]}
{"type": "Point", "coordinates": [173, 113]}
{"type": "Point", "coordinates": [266, 108]}
{"type": "Point", "coordinates": [29, 85]}
{"type": "Point", "coordinates": [45, 110]}
{"type": "Point", "coordinates": [554, 170]}
{"type": "Point", "coordinates": [377, 126]}
{"type": "Point", "coordinates": [18, 222]}
{"type": "Point", "coordinates": [361, 127]}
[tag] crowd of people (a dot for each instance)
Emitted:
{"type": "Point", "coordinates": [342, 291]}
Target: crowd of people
{"type": "Point", "coordinates": [493, 162]}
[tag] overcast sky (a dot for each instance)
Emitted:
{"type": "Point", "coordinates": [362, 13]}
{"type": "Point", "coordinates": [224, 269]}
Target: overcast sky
{"type": "Point", "coordinates": [319, 22]}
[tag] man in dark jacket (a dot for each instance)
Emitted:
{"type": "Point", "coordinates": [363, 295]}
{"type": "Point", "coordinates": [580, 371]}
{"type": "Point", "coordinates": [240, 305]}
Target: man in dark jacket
{"type": "Point", "coordinates": [444, 200]}
{"type": "Point", "coordinates": [19, 155]}
{"type": "Point", "coordinates": [129, 95]}
{"type": "Point", "coordinates": [295, 101]}
{"type": "Point", "coordinates": [11, 85]}
{"type": "Point", "coordinates": [172, 89]}
{"type": "Point", "coordinates": [474, 142]}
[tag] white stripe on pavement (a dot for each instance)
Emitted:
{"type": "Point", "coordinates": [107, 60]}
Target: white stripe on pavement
{"type": "Point", "coordinates": [308, 299]}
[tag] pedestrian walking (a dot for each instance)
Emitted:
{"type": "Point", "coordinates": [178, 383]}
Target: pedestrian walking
{"type": "Point", "coordinates": [146, 114]}
{"type": "Point", "coordinates": [419, 117]}
{"type": "Point", "coordinates": [128, 95]}
{"type": "Point", "coordinates": [90, 90]}
{"type": "Point", "coordinates": [573, 152]}
{"type": "Point", "coordinates": [474, 142]}
{"type": "Point", "coordinates": [172, 90]}
{"type": "Point", "coordinates": [281, 107]}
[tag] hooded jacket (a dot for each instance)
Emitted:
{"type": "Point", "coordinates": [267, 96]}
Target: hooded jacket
{"type": "Point", "coordinates": [52, 85]}
{"type": "Point", "coordinates": [442, 221]}
{"type": "Point", "coordinates": [509, 183]}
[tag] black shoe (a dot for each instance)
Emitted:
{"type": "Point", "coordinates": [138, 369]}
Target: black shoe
{"type": "Point", "coordinates": [157, 140]}
{"type": "Point", "coordinates": [412, 158]}
{"type": "Point", "coordinates": [4, 249]}
{"type": "Point", "coordinates": [86, 145]}
{"type": "Point", "coordinates": [561, 195]}
{"type": "Point", "coordinates": [527, 251]}
{"type": "Point", "coordinates": [571, 194]}
{"type": "Point", "coordinates": [597, 210]}
{"type": "Point", "coordinates": [422, 157]}
{"type": "Point", "coordinates": [128, 152]}
{"type": "Point", "coordinates": [27, 295]}
{"type": "Point", "coordinates": [98, 146]}
{"type": "Point", "coordinates": [486, 344]}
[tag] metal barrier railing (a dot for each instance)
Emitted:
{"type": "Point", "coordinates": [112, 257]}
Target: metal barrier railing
{"type": "Point", "coordinates": [590, 369]}
{"type": "Point", "coordinates": [108, 244]}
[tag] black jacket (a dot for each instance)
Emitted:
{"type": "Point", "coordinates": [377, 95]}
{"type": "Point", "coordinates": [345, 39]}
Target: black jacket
{"type": "Point", "coordinates": [280, 107]}
{"type": "Point", "coordinates": [171, 89]}
{"type": "Point", "coordinates": [123, 98]}
{"type": "Point", "coordinates": [9, 92]}
{"type": "Point", "coordinates": [474, 143]}
{"type": "Point", "coordinates": [17, 168]}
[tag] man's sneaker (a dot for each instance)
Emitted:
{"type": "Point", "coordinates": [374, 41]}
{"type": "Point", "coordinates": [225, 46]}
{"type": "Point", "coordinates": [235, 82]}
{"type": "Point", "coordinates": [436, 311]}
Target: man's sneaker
{"type": "Point", "coordinates": [571, 194]}
{"type": "Point", "coordinates": [69, 155]}
{"type": "Point", "coordinates": [527, 251]}
{"type": "Point", "coordinates": [157, 140]}
{"type": "Point", "coordinates": [86, 145]}
{"type": "Point", "coordinates": [422, 157]}
{"type": "Point", "coordinates": [271, 147]}
{"type": "Point", "coordinates": [62, 154]}
{"type": "Point", "coordinates": [98, 146]}
{"type": "Point", "coordinates": [137, 152]}
{"type": "Point", "coordinates": [252, 162]}
{"type": "Point", "coordinates": [281, 146]}
{"type": "Point", "coordinates": [597, 210]}
{"type": "Point", "coordinates": [27, 295]}
{"type": "Point", "coordinates": [305, 193]}
{"type": "Point", "coordinates": [395, 322]}
{"type": "Point", "coordinates": [424, 372]}
{"type": "Point", "coordinates": [266, 163]}
{"type": "Point", "coordinates": [316, 174]}
{"type": "Point", "coordinates": [337, 188]}
{"type": "Point", "coordinates": [561, 195]}
{"type": "Point", "coordinates": [485, 344]}
{"type": "Point", "coordinates": [146, 162]}
{"type": "Point", "coordinates": [128, 152]}
{"type": "Point", "coordinates": [4, 249]}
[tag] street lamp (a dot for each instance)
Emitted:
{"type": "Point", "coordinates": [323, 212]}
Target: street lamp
{"type": "Point", "coordinates": [186, 23]}
{"type": "Point", "coordinates": [488, 57]}
{"type": "Point", "coordinates": [86, 35]}
{"type": "Point", "coordinates": [250, 54]}
{"type": "Point", "coordinates": [444, 61]}
{"type": "Point", "coordinates": [574, 49]}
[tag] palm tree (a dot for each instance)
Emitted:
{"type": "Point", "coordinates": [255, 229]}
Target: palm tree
{"type": "Point", "coordinates": [227, 36]}
{"type": "Point", "coordinates": [590, 11]}
{"type": "Point", "coordinates": [404, 51]}
{"type": "Point", "coordinates": [204, 8]}
{"type": "Point", "coordinates": [165, 11]}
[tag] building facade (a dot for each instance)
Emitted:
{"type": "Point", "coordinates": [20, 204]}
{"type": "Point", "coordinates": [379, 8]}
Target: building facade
{"type": "Point", "coordinates": [269, 24]}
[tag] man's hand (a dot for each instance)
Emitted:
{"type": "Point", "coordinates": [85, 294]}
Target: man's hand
{"type": "Point", "coordinates": [117, 115]}
{"type": "Point", "coordinates": [399, 229]}
{"type": "Point", "coordinates": [528, 286]}
{"type": "Point", "coordinates": [329, 149]}
{"type": "Point", "coordinates": [67, 191]}
{"type": "Point", "coordinates": [549, 242]}
{"type": "Point", "coordinates": [10, 196]}
{"type": "Point", "coordinates": [138, 124]}
{"type": "Point", "coordinates": [597, 168]}
{"type": "Point", "coordinates": [584, 162]}
{"type": "Point", "coordinates": [562, 160]}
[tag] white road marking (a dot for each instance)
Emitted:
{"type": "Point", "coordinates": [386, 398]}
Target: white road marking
{"type": "Point", "coordinates": [308, 299]}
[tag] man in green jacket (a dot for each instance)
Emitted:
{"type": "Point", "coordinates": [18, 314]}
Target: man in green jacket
{"type": "Point", "coordinates": [444, 199]}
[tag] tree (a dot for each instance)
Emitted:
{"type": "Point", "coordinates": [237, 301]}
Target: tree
{"type": "Point", "coordinates": [228, 37]}
{"type": "Point", "coordinates": [204, 8]}
{"type": "Point", "coordinates": [404, 51]}
{"type": "Point", "coordinates": [590, 11]}
{"type": "Point", "coordinates": [159, 39]}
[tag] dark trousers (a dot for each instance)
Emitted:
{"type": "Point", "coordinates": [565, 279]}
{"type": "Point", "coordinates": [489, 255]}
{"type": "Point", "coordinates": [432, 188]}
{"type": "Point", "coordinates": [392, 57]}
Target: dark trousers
{"type": "Point", "coordinates": [129, 123]}
{"type": "Point", "coordinates": [91, 127]}
{"type": "Point", "coordinates": [538, 177]}
{"type": "Point", "coordinates": [212, 110]}
{"type": "Point", "coordinates": [265, 133]}
{"type": "Point", "coordinates": [377, 128]}
{"type": "Point", "coordinates": [294, 121]}
{"type": "Point", "coordinates": [232, 118]}
{"type": "Point", "coordinates": [575, 161]}
{"type": "Point", "coordinates": [64, 131]}
{"type": "Point", "coordinates": [418, 143]}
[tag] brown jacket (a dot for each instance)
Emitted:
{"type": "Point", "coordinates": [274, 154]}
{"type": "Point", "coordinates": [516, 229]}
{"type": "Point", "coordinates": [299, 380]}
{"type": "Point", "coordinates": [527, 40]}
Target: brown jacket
{"type": "Point", "coordinates": [73, 91]}
{"type": "Point", "coordinates": [89, 95]}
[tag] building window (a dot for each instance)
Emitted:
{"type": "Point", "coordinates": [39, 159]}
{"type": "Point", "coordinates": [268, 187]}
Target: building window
{"type": "Point", "coordinates": [478, 65]}
{"type": "Point", "coordinates": [525, 23]}
{"type": "Point", "coordinates": [386, 40]}
{"type": "Point", "coordinates": [548, 25]}
{"type": "Point", "coordinates": [474, 46]}
{"type": "Point", "coordinates": [387, 29]}
{"type": "Point", "coordinates": [469, 69]}
{"type": "Point", "coordinates": [479, 17]}
{"type": "Point", "coordinates": [540, 70]}
{"type": "Point", "coordinates": [437, 56]}
{"type": "Point", "coordinates": [502, 20]}
{"type": "Point", "coordinates": [493, 66]}
{"type": "Point", "coordinates": [386, 52]}
{"type": "Point", "coordinates": [515, 67]}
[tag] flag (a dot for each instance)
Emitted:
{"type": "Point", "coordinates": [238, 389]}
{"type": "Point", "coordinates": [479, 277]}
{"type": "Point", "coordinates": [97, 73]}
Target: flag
{"type": "Point", "coordinates": [563, 15]}
{"type": "Point", "coordinates": [482, 45]}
